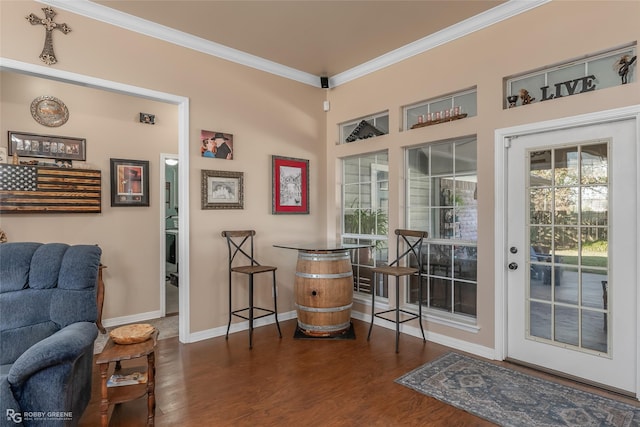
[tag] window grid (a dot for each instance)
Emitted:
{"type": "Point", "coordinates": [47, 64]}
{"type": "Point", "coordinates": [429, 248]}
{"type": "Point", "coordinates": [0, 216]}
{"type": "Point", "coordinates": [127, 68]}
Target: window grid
{"type": "Point", "coordinates": [441, 197]}
{"type": "Point", "coordinates": [365, 211]}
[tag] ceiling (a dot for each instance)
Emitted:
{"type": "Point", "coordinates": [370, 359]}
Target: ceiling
{"type": "Point", "coordinates": [318, 37]}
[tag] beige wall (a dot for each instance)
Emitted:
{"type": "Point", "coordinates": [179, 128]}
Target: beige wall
{"type": "Point", "coordinates": [270, 115]}
{"type": "Point", "coordinates": [550, 34]}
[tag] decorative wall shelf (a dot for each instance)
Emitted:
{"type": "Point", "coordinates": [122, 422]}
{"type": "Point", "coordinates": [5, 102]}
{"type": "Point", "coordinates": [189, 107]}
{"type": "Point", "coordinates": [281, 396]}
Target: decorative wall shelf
{"type": "Point", "coordinates": [38, 189]}
{"type": "Point", "coordinates": [459, 105]}
{"type": "Point", "coordinates": [435, 122]}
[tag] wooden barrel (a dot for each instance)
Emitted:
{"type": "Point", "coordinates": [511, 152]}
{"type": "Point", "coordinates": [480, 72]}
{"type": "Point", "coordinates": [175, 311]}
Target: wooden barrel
{"type": "Point", "coordinates": [324, 292]}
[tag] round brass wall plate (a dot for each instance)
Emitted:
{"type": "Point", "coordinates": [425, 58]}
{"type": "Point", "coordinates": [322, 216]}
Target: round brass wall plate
{"type": "Point", "coordinates": [49, 111]}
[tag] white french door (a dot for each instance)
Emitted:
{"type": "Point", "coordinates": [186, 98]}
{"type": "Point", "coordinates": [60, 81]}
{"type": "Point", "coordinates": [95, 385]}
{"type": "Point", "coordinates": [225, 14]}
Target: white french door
{"type": "Point", "coordinates": [571, 235]}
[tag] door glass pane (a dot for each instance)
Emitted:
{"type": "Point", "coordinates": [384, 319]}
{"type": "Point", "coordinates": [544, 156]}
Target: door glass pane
{"type": "Point", "coordinates": [566, 325]}
{"type": "Point", "coordinates": [594, 330]}
{"type": "Point", "coordinates": [537, 288]}
{"type": "Point", "coordinates": [594, 164]}
{"type": "Point", "coordinates": [566, 284]}
{"type": "Point", "coordinates": [540, 168]}
{"type": "Point", "coordinates": [566, 205]}
{"type": "Point", "coordinates": [540, 320]}
{"type": "Point", "coordinates": [566, 166]}
{"type": "Point", "coordinates": [595, 206]}
{"type": "Point", "coordinates": [594, 288]}
{"type": "Point", "coordinates": [568, 236]}
{"type": "Point", "coordinates": [540, 205]}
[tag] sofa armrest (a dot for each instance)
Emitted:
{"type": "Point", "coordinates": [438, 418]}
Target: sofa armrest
{"type": "Point", "coordinates": [65, 346]}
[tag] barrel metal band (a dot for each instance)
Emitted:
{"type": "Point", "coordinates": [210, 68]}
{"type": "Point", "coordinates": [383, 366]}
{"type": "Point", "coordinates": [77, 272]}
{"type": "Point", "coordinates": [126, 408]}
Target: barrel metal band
{"type": "Point", "coordinates": [324, 275]}
{"type": "Point", "coordinates": [330, 256]}
{"type": "Point", "coordinates": [325, 328]}
{"type": "Point", "coordinates": [324, 309]}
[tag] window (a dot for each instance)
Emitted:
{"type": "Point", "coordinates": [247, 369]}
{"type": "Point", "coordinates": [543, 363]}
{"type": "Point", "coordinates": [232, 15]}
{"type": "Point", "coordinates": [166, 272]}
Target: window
{"type": "Point", "coordinates": [367, 127]}
{"type": "Point", "coordinates": [442, 199]}
{"type": "Point", "coordinates": [463, 102]}
{"type": "Point", "coordinates": [365, 213]}
{"type": "Point", "coordinates": [558, 81]}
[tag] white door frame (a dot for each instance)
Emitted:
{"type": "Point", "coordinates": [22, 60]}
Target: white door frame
{"type": "Point", "coordinates": [501, 141]}
{"type": "Point", "coordinates": [182, 102]}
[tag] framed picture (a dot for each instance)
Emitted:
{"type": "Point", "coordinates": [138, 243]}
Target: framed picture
{"type": "Point", "coordinates": [53, 147]}
{"type": "Point", "coordinates": [216, 145]}
{"type": "Point", "coordinates": [290, 185]}
{"type": "Point", "coordinates": [129, 182]}
{"type": "Point", "coordinates": [222, 190]}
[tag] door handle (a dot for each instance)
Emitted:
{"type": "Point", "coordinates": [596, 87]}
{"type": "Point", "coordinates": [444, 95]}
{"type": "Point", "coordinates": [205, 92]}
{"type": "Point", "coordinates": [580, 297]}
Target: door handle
{"type": "Point", "coordinates": [513, 266]}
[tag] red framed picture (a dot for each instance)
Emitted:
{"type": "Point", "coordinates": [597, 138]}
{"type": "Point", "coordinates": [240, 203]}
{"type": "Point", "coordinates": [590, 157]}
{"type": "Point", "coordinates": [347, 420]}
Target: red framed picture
{"type": "Point", "coordinates": [290, 185]}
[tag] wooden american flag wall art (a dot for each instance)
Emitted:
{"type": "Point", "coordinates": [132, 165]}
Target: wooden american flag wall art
{"type": "Point", "coordinates": [37, 189]}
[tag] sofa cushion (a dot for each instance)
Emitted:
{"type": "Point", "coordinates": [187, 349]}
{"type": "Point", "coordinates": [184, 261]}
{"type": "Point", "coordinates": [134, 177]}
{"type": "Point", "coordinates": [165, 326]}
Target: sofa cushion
{"type": "Point", "coordinates": [14, 342]}
{"type": "Point", "coordinates": [45, 265]}
{"type": "Point", "coordinates": [15, 262]}
{"type": "Point", "coordinates": [79, 267]}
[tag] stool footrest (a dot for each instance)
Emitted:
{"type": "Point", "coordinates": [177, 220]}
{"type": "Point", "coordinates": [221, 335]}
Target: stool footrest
{"type": "Point", "coordinates": [411, 315]}
{"type": "Point", "coordinates": [267, 313]}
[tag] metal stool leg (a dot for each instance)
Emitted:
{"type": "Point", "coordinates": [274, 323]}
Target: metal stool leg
{"type": "Point", "coordinates": [420, 307]}
{"type": "Point", "coordinates": [373, 304]}
{"type": "Point", "coordinates": [275, 303]}
{"type": "Point", "coordinates": [250, 311]}
{"type": "Point", "coordinates": [397, 313]}
{"type": "Point", "coordinates": [230, 309]}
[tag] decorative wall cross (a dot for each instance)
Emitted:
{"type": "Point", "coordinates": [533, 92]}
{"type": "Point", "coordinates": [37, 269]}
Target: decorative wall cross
{"type": "Point", "coordinates": [47, 56]}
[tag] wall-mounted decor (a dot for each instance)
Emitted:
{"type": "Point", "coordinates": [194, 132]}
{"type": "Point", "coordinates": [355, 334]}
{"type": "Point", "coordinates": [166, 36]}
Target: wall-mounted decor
{"type": "Point", "coordinates": [37, 189]}
{"type": "Point", "coordinates": [290, 185]}
{"type": "Point", "coordinates": [364, 130]}
{"type": "Point", "coordinates": [49, 111]}
{"type": "Point", "coordinates": [129, 182]}
{"type": "Point", "coordinates": [48, 56]}
{"type": "Point", "coordinates": [49, 146]}
{"type": "Point", "coordinates": [148, 119]}
{"type": "Point", "coordinates": [217, 145]}
{"type": "Point", "coordinates": [222, 190]}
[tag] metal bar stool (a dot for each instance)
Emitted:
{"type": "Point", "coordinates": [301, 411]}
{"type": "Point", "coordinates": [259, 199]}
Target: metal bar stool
{"type": "Point", "coordinates": [412, 240]}
{"type": "Point", "coordinates": [237, 242]}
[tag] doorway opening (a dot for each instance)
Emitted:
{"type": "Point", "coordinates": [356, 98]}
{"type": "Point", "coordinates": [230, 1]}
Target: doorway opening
{"type": "Point", "coordinates": [169, 210]}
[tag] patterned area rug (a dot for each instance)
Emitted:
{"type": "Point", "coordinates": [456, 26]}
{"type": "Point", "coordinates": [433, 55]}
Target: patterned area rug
{"type": "Point", "coordinates": [511, 398]}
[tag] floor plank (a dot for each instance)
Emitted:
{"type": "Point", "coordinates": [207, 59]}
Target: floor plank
{"type": "Point", "coordinates": [288, 381]}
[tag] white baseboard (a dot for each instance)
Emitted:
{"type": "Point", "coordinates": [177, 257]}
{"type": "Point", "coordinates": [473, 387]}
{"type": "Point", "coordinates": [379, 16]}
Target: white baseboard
{"type": "Point", "coordinates": [239, 326]}
{"type": "Point", "coordinates": [457, 344]}
{"type": "Point", "coordinates": [124, 320]}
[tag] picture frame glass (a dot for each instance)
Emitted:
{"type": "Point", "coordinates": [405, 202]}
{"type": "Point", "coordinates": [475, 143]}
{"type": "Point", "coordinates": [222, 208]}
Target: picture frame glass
{"type": "Point", "coordinates": [290, 185]}
{"type": "Point", "coordinates": [47, 146]}
{"type": "Point", "coordinates": [222, 190]}
{"type": "Point", "coordinates": [129, 182]}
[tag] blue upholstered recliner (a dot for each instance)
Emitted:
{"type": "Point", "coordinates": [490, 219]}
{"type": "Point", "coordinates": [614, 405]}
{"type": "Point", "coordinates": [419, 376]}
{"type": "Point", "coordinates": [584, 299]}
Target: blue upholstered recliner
{"type": "Point", "coordinates": [47, 330]}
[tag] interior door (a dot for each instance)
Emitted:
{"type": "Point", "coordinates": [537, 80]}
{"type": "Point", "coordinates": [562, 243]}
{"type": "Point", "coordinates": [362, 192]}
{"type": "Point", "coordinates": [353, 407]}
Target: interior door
{"type": "Point", "coordinates": [572, 231]}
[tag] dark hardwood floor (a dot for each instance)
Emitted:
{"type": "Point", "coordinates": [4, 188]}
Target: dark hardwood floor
{"type": "Point", "coordinates": [289, 382]}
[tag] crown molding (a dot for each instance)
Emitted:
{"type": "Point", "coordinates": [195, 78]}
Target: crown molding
{"type": "Point", "coordinates": [492, 16]}
{"type": "Point", "coordinates": [129, 22]}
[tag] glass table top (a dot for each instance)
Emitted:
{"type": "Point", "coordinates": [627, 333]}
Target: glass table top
{"type": "Point", "coordinates": [320, 246]}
